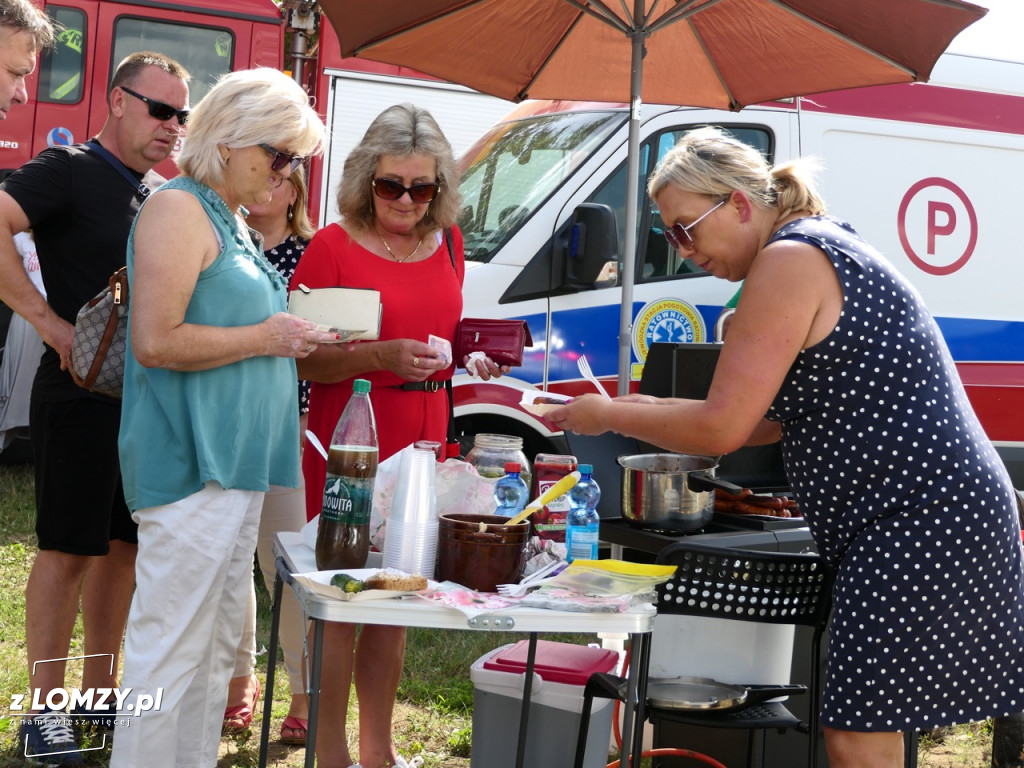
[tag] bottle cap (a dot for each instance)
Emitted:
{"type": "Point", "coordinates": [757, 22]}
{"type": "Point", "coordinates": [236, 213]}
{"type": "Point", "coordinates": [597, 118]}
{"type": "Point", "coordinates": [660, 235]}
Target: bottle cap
{"type": "Point", "coordinates": [361, 386]}
{"type": "Point", "coordinates": [586, 469]}
{"type": "Point", "coordinates": [512, 466]}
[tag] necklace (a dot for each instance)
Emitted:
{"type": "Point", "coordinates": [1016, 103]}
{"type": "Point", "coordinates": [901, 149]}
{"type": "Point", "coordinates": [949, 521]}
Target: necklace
{"type": "Point", "coordinates": [404, 259]}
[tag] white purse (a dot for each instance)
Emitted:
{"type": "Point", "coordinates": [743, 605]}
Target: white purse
{"type": "Point", "coordinates": [352, 313]}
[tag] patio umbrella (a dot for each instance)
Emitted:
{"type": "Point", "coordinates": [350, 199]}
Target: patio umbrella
{"type": "Point", "coordinates": [722, 54]}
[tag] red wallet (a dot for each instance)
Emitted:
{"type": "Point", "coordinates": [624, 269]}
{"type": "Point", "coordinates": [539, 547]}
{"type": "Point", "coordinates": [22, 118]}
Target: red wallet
{"type": "Point", "coordinates": [501, 340]}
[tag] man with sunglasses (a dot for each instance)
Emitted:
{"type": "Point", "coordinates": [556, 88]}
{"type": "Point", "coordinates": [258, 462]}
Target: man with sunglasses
{"type": "Point", "coordinates": [80, 202]}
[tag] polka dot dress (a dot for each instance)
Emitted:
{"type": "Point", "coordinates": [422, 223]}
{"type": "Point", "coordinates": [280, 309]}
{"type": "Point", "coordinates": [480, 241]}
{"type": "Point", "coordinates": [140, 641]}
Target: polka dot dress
{"type": "Point", "coordinates": [285, 257]}
{"type": "Point", "coordinates": [907, 499]}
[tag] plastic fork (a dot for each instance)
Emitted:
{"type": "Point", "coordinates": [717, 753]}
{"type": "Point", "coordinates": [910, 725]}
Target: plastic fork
{"type": "Point", "coordinates": [584, 366]}
{"type": "Point", "coordinates": [535, 579]}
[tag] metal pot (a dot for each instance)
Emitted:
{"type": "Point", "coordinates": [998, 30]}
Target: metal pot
{"type": "Point", "coordinates": [670, 491]}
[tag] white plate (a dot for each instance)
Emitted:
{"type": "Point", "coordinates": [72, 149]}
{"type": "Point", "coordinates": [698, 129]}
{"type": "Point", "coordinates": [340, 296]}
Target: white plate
{"type": "Point", "coordinates": [319, 582]}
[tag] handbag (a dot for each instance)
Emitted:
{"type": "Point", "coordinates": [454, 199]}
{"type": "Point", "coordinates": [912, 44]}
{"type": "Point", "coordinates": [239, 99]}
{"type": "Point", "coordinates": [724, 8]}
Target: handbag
{"type": "Point", "coordinates": [501, 340]}
{"type": "Point", "coordinates": [98, 344]}
{"type": "Point", "coordinates": [98, 347]}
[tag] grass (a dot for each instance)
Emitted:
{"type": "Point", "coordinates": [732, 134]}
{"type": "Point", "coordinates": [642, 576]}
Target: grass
{"type": "Point", "coordinates": [435, 699]}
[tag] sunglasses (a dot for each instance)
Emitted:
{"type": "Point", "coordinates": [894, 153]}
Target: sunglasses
{"type": "Point", "coordinates": [389, 189]}
{"type": "Point", "coordinates": [280, 160]}
{"type": "Point", "coordinates": [679, 237]}
{"type": "Point", "coordinates": [158, 109]}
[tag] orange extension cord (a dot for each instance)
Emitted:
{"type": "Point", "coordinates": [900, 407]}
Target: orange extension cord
{"type": "Point", "coordinates": [661, 751]}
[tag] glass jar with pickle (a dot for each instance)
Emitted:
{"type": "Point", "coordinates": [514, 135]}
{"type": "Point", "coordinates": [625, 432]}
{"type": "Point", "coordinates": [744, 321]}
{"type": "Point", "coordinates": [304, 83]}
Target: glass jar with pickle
{"type": "Point", "coordinates": [491, 452]}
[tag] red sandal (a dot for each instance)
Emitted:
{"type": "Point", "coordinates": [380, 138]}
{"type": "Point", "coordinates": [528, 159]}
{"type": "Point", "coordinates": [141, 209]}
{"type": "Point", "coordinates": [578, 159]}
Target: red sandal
{"type": "Point", "coordinates": [238, 718]}
{"type": "Point", "coordinates": [298, 727]}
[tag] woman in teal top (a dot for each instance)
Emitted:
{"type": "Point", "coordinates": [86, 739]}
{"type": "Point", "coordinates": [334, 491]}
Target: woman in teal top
{"type": "Point", "coordinates": [209, 414]}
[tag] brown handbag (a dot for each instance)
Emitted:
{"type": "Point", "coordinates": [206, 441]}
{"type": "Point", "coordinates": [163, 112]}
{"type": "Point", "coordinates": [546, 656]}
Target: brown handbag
{"type": "Point", "coordinates": [98, 346]}
{"type": "Point", "coordinates": [501, 340]}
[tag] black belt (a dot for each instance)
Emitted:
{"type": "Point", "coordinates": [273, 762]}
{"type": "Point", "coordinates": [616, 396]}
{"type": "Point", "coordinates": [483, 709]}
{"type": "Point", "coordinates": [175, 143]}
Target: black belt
{"type": "Point", "coordinates": [420, 386]}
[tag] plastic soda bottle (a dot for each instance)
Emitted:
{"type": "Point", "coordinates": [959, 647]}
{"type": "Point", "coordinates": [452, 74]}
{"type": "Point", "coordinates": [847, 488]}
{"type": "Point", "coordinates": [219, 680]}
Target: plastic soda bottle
{"type": "Point", "coordinates": [583, 521]}
{"type": "Point", "coordinates": [510, 492]}
{"type": "Point", "coordinates": [343, 534]}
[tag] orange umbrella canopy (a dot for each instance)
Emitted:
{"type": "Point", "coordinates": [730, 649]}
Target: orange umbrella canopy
{"type": "Point", "coordinates": [712, 53]}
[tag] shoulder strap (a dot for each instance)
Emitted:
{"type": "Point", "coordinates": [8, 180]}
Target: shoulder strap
{"type": "Point", "coordinates": [142, 191]}
{"type": "Point", "coordinates": [451, 248]}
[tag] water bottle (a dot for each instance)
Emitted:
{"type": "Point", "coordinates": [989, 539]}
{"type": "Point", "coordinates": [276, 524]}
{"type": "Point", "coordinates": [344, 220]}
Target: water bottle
{"type": "Point", "coordinates": [583, 521]}
{"type": "Point", "coordinates": [343, 534]}
{"type": "Point", "coordinates": [510, 492]}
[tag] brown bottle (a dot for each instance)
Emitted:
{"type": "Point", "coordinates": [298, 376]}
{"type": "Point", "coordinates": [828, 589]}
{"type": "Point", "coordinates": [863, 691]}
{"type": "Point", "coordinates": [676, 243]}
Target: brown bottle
{"type": "Point", "coordinates": [343, 534]}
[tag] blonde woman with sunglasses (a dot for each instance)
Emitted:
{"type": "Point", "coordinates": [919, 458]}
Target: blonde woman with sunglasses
{"type": "Point", "coordinates": [832, 351]}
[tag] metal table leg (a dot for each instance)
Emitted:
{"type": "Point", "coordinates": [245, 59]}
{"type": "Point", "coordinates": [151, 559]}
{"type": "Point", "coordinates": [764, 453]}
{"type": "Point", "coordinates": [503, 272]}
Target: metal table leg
{"type": "Point", "coordinates": [636, 700]}
{"type": "Point", "coordinates": [268, 696]}
{"type": "Point", "coordinates": [314, 691]}
{"type": "Point", "coordinates": [524, 712]}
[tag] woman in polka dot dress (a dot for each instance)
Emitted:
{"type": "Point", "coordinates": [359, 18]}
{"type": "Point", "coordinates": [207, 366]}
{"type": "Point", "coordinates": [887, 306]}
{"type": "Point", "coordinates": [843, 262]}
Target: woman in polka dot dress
{"type": "Point", "coordinates": [903, 492]}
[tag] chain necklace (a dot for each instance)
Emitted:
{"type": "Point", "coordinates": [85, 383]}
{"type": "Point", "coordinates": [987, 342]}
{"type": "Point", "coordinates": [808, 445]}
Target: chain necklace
{"type": "Point", "coordinates": [404, 259]}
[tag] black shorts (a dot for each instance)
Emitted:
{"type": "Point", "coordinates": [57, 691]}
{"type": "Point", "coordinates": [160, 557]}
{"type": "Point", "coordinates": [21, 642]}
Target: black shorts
{"type": "Point", "coordinates": [80, 503]}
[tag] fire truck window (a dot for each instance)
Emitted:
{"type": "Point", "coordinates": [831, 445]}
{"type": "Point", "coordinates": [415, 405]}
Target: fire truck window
{"type": "Point", "coordinates": [60, 70]}
{"type": "Point", "coordinates": [206, 52]}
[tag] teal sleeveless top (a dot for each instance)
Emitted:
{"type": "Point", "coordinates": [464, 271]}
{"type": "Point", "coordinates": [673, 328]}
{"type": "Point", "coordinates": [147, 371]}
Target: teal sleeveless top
{"type": "Point", "coordinates": [237, 425]}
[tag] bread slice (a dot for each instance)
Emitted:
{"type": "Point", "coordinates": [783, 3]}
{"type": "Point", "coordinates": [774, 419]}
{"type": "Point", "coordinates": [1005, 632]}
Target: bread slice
{"type": "Point", "coordinates": [395, 581]}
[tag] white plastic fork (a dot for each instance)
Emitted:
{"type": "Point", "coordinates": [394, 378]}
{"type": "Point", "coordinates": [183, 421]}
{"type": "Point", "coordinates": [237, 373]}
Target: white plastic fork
{"type": "Point", "coordinates": [584, 366]}
{"type": "Point", "coordinates": [534, 579]}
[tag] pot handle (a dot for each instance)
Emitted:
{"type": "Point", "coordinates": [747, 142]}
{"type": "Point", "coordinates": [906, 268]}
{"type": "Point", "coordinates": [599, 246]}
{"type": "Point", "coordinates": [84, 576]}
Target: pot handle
{"type": "Point", "coordinates": [700, 480]}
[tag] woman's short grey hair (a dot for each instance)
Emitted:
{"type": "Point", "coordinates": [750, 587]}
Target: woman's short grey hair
{"type": "Point", "coordinates": [708, 161]}
{"type": "Point", "coordinates": [245, 109]}
{"type": "Point", "coordinates": [399, 131]}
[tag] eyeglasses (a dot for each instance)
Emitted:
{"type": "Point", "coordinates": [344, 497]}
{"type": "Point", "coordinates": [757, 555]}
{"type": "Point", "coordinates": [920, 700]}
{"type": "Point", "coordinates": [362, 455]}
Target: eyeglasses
{"type": "Point", "coordinates": [389, 189]}
{"type": "Point", "coordinates": [679, 237]}
{"type": "Point", "coordinates": [158, 109]}
{"type": "Point", "coordinates": [281, 159]}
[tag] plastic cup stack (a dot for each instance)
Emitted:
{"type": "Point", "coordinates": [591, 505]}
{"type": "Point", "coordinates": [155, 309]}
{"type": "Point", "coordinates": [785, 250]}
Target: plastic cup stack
{"type": "Point", "coordinates": [410, 543]}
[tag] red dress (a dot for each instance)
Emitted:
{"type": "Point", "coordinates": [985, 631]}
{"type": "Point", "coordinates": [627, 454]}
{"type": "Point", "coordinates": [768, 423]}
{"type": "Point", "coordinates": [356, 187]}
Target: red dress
{"type": "Point", "coordinates": [418, 299]}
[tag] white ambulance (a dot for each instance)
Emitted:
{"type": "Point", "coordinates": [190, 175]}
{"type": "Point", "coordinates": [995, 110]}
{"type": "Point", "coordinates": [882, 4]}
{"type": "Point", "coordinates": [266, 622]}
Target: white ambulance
{"type": "Point", "coordinates": [929, 173]}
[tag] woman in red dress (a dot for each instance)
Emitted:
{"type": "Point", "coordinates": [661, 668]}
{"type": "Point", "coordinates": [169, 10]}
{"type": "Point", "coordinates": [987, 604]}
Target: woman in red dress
{"type": "Point", "coordinates": [398, 197]}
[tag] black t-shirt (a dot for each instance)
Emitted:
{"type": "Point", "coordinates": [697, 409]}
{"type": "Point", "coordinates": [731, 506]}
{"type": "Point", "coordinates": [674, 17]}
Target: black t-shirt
{"type": "Point", "coordinates": [81, 210]}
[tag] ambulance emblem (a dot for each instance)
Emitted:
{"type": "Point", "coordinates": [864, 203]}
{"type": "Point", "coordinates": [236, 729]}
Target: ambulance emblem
{"type": "Point", "coordinates": [664, 320]}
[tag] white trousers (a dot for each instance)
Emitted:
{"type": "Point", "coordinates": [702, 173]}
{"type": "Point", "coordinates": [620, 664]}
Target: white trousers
{"type": "Point", "coordinates": [192, 575]}
{"type": "Point", "coordinates": [284, 509]}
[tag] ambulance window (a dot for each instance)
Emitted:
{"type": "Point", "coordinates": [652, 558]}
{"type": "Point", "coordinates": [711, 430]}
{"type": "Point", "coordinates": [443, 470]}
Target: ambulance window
{"type": "Point", "coordinates": [60, 70]}
{"type": "Point", "coordinates": [206, 52]}
{"type": "Point", "coordinates": [613, 193]}
{"type": "Point", "coordinates": [660, 260]}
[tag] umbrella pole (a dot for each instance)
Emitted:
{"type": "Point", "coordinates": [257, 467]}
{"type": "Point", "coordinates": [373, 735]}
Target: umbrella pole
{"type": "Point", "coordinates": [637, 35]}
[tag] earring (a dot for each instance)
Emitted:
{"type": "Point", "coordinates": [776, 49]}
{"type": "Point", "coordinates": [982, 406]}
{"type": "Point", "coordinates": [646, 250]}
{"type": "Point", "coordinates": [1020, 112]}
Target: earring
{"type": "Point", "coordinates": [291, 212]}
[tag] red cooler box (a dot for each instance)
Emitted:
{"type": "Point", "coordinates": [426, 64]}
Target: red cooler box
{"type": "Point", "coordinates": [560, 672]}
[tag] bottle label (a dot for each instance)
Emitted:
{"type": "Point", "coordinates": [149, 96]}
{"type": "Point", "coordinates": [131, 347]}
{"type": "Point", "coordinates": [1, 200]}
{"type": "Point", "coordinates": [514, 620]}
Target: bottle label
{"type": "Point", "coordinates": [581, 542]}
{"type": "Point", "coordinates": [347, 500]}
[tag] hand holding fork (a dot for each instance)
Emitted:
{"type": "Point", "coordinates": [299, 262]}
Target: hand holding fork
{"type": "Point", "coordinates": [588, 374]}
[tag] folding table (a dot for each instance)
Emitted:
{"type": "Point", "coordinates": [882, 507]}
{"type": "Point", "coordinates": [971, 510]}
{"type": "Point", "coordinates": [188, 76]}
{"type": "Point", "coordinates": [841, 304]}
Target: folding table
{"type": "Point", "coordinates": [294, 556]}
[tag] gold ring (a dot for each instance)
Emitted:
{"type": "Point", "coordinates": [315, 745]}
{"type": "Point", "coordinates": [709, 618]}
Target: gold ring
{"type": "Point", "coordinates": [415, 362]}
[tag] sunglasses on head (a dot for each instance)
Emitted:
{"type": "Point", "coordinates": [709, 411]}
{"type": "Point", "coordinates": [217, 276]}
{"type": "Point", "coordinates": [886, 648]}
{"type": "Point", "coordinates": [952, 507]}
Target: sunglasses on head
{"type": "Point", "coordinates": [679, 237]}
{"type": "Point", "coordinates": [282, 159]}
{"type": "Point", "coordinates": [158, 109]}
{"type": "Point", "coordinates": [389, 189]}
